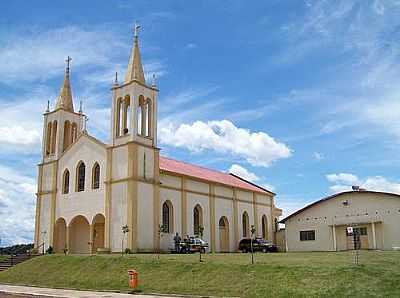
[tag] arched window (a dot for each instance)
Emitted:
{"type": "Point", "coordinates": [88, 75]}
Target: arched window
{"type": "Point", "coordinates": [67, 135]}
{"type": "Point", "coordinates": [48, 139]}
{"type": "Point", "coordinates": [245, 224]}
{"type": "Point", "coordinates": [197, 219]}
{"type": "Point", "coordinates": [148, 117]}
{"type": "Point", "coordinates": [264, 226]}
{"type": "Point", "coordinates": [54, 137]}
{"type": "Point", "coordinates": [167, 216]}
{"type": "Point", "coordinates": [96, 176]}
{"type": "Point", "coordinates": [141, 116]}
{"type": "Point", "coordinates": [80, 174]}
{"type": "Point", "coordinates": [65, 186]}
{"type": "Point", "coordinates": [118, 117]}
{"type": "Point", "coordinates": [126, 115]}
{"type": "Point", "coordinates": [74, 132]}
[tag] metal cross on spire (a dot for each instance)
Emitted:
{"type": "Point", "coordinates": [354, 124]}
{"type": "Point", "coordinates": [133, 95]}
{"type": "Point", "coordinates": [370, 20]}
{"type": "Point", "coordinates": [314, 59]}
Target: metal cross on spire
{"type": "Point", "coordinates": [136, 30]}
{"type": "Point", "coordinates": [68, 60]}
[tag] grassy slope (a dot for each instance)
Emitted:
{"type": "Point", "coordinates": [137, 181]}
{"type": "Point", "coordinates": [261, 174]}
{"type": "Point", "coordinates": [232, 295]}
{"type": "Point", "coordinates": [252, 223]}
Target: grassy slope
{"type": "Point", "coordinates": [2, 258]}
{"type": "Point", "coordinates": [283, 275]}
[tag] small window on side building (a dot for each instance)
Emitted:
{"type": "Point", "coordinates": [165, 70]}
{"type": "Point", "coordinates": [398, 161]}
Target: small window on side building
{"type": "Point", "coordinates": [307, 235]}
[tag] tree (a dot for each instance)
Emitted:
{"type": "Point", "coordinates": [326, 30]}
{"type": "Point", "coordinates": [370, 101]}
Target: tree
{"type": "Point", "coordinates": [125, 230]}
{"type": "Point", "coordinates": [201, 231]}
{"type": "Point", "coordinates": [253, 232]}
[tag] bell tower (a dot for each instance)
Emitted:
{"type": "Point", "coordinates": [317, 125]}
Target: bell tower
{"type": "Point", "coordinates": [134, 104]}
{"type": "Point", "coordinates": [134, 175]}
{"type": "Point", "coordinates": [63, 125]}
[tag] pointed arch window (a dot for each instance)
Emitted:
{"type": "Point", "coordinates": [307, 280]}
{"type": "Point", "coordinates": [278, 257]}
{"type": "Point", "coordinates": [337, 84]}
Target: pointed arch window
{"type": "Point", "coordinates": [148, 117]}
{"type": "Point", "coordinates": [264, 226]}
{"type": "Point", "coordinates": [54, 137]}
{"type": "Point", "coordinates": [167, 216]}
{"type": "Point", "coordinates": [65, 186]}
{"type": "Point", "coordinates": [245, 224]}
{"type": "Point", "coordinates": [67, 134]}
{"type": "Point", "coordinates": [96, 176]}
{"type": "Point", "coordinates": [126, 115]}
{"type": "Point", "coordinates": [80, 177]}
{"type": "Point", "coordinates": [48, 138]}
{"type": "Point", "coordinates": [74, 132]}
{"type": "Point", "coordinates": [197, 219]}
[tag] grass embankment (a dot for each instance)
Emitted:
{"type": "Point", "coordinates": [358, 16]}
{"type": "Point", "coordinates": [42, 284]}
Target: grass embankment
{"type": "Point", "coordinates": [3, 258]}
{"type": "Point", "coordinates": [273, 275]}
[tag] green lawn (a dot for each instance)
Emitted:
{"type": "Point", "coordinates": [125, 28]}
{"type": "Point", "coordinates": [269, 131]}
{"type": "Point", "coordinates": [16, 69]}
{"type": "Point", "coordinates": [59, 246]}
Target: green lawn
{"type": "Point", "coordinates": [3, 258]}
{"type": "Point", "coordinates": [273, 275]}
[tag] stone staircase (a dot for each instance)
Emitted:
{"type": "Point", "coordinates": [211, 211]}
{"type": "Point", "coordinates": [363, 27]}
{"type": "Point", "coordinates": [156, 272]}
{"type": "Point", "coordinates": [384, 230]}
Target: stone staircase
{"type": "Point", "coordinates": [13, 260]}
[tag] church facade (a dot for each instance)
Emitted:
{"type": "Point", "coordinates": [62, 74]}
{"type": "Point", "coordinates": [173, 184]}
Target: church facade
{"type": "Point", "coordinates": [88, 191]}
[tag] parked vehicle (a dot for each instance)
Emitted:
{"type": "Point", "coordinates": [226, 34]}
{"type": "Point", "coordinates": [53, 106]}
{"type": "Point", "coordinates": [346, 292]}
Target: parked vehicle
{"type": "Point", "coordinates": [258, 245]}
{"type": "Point", "coordinates": [192, 245]}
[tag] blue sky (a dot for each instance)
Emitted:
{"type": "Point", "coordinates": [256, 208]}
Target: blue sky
{"type": "Point", "coordinates": [299, 96]}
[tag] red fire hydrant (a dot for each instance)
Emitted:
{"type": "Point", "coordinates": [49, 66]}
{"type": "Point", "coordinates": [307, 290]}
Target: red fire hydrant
{"type": "Point", "coordinates": [133, 279]}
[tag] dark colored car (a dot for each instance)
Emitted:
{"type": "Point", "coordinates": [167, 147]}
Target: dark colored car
{"type": "Point", "coordinates": [258, 245]}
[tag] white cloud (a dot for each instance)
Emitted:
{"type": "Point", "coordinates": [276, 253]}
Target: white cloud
{"type": "Point", "coordinates": [346, 178]}
{"type": "Point", "coordinates": [40, 55]}
{"type": "Point", "coordinates": [344, 182]}
{"type": "Point", "coordinates": [257, 148]}
{"type": "Point", "coordinates": [17, 207]}
{"type": "Point", "coordinates": [18, 135]}
{"type": "Point", "coordinates": [243, 173]}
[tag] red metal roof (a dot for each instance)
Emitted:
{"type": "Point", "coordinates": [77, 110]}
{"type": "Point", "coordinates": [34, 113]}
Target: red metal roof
{"type": "Point", "coordinates": [183, 168]}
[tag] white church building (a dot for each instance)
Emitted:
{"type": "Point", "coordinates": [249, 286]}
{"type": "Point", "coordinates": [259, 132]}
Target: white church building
{"type": "Point", "coordinates": [88, 190]}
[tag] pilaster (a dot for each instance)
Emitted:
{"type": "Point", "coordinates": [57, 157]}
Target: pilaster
{"type": "Point", "coordinates": [107, 203]}
{"type": "Point", "coordinates": [184, 206]}
{"type": "Point", "coordinates": [236, 236]}
{"type": "Point", "coordinates": [212, 216]}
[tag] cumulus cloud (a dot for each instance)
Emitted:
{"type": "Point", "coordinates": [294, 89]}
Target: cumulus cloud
{"type": "Point", "coordinates": [346, 178]}
{"type": "Point", "coordinates": [344, 182]}
{"type": "Point", "coordinates": [243, 173]}
{"type": "Point", "coordinates": [17, 207]}
{"type": "Point", "coordinates": [257, 148]}
{"type": "Point", "coordinates": [318, 156]}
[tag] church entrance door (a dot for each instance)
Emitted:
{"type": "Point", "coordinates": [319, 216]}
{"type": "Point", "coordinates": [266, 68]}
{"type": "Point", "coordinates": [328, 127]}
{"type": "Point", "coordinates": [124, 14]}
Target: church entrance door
{"type": "Point", "coordinates": [79, 236]}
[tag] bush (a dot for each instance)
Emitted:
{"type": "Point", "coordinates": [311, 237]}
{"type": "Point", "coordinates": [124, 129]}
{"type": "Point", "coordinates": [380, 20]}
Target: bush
{"type": "Point", "coordinates": [128, 251]}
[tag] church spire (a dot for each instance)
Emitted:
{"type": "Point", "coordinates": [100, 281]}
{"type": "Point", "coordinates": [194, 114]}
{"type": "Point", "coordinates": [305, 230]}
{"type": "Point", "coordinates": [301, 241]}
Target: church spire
{"type": "Point", "coordinates": [135, 68]}
{"type": "Point", "coordinates": [64, 100]}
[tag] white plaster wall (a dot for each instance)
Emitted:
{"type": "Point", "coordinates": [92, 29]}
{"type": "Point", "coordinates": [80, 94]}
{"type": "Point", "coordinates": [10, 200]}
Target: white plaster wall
{"type": "Point", "coordinates": [90, 201]}
{"type": "Point", "coordinates": [149, 162]}
{"type": "Point", "coordinates": [224, 207]}
{"type": "Point", "coordinates": [145, 216]}
{"type": "Point", "coordinates": [197, 186]}
{"type": "Point", "coordinates": [175, 198]}
{"type": "Point", "coordinates": [242, 207]}
{"type": "Point", "coordinates": [47, 177]}
{"type": "Point", "coordinates": [264, 210]}
{"type": "Point", "coordinates": [45, 212]}
{"type": "Point", "coordinates": [171, 181]}
{"type": "Point", "coordinates": [120, 163]}
{"type": "Point", "coordinates": [245, 195]}
{"type": "Point", "coordinates": [362, 207]}
{"type": "Point", "coordinates": [223, 191]}
{"type": "Point", "coordinates": [118, 215]}
{"type": "Point", "coordinates": [203, 201]}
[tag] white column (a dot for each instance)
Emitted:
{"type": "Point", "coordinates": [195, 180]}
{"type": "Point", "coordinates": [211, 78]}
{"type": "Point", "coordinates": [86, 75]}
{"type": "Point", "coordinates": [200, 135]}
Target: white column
{"type": "Point", "coordinates": [373, 235]}
{"type": "Point", "coordinates": [334, 237]}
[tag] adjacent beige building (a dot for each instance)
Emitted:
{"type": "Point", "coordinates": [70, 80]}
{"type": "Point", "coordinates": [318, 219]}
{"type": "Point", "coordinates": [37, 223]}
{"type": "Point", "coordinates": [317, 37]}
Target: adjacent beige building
{"type": "Point", "coordinates": [322, 226]}
{"type": "Point", "coordinates": [88, 190]}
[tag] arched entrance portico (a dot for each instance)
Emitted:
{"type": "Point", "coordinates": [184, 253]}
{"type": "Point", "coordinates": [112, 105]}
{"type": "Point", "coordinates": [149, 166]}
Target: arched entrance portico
{"type": "Point", "coordinates": [223, 234]}
{"type": "Point", "coordinates": [98, 232]}
{"type": "Point", "coordinates": [60, 235]}
{"type": "Point", "coordinates": [79, 235]}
